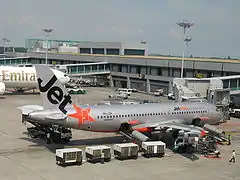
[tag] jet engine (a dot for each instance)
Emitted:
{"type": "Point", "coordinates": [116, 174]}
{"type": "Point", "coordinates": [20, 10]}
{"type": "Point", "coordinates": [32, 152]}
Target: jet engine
{"type": "Point", "coordinates": [2, 88]}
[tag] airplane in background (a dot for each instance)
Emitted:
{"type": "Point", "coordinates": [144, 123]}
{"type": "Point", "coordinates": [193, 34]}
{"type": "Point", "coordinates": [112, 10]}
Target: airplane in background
{"type": "Point", "coordinates": [60, 114]}
{"type": "Point", "coordinates": [23, 77]}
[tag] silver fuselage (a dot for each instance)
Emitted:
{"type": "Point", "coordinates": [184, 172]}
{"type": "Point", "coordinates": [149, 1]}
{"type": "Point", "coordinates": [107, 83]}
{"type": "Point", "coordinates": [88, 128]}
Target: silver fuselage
{"type": "Point", "coordinates": [108, 118]}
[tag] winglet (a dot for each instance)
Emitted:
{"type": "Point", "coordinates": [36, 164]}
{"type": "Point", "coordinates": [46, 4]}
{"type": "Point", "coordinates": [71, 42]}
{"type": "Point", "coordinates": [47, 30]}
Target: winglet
{"type": "Point", "coordinates": [53, 94]}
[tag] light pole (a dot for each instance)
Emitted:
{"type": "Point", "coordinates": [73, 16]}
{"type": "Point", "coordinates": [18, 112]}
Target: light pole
{"type": "Point", "coordinates": [187, 41]}
{"type": "Point", "coordinates": [47, 32]}
{"type": "Point", "coordinates": [5, 40]}
{"type": "Point", "coordinates": [184, 24]}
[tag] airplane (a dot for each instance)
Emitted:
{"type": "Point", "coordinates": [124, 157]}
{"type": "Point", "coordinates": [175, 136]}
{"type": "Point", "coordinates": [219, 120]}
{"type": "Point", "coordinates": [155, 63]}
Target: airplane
{"type": "Point", "coordinates": [23, 77]}
{"type": "Point", "coordinates": [59, 114]}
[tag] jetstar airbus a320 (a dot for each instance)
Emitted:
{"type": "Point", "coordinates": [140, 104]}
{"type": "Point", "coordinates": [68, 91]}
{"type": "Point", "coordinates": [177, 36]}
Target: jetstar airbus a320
{"type": "Point", "coordinates": [59, 113]}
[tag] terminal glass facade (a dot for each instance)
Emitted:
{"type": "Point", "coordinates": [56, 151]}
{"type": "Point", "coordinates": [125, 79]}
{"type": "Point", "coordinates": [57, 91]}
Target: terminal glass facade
{"type": "Point", "coordinates": [85, 50]}
{"type": "Point", "coordinates": [136, 52]}
{"type": "Point", "coordinates": [14, 61]}
{"type": "Point", "coordinates": [98, 50]}
{"type": "Point", "coordinates": [112, 51]}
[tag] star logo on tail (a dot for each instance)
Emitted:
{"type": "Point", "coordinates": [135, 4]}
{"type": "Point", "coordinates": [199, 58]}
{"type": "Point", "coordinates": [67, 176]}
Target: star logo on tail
{"type": "Point", "coordinates": [82, 115]}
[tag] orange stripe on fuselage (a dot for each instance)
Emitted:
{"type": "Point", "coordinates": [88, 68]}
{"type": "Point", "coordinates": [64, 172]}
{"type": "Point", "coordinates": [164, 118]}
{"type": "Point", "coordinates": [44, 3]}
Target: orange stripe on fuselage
{"type": "Point", "coordinates": [204, 118]}
{"type": "Point", "coordinates": [143, 129]}
{"type": "Point", "coordinates": [133, 122]}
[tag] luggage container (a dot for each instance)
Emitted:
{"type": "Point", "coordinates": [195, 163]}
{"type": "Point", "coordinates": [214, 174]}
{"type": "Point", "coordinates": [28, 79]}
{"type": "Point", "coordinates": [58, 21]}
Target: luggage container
{"type": "Point", "coordinates": [153, 148]}
{"type": "Point", "coordinates": [126, 151]}
{"type": "Point", "coordinates": [69, 156]}
{"type": "Point", "coordinates": [93, 153]}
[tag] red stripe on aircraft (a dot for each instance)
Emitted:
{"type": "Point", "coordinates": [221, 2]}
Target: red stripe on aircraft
{"type": "Point", "coordinates": [133, 122]}
{"type": "Point", "coordinates": [144, 129]}
{"type": "Point", "coordinates": [204, 118]}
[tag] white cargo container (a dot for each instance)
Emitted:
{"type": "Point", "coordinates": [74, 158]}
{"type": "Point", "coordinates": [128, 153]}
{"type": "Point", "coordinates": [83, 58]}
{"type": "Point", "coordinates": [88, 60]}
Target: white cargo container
{"type": "Point", "coordinates": [126, 150]}
{"type": "Point", "coordinates": [153, 148]}
{"type": "Point", "coordinates": [94, 153]}
{"type": "Point", "coordinates": [69, 156]}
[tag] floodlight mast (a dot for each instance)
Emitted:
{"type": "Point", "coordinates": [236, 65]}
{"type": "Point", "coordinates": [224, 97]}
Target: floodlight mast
{"type": "Point", "coordinates": [187, 41]}
{"type": "Point", "coordinates": [47, 32]}
{"type": "Point", "coordinates": [184, 24]}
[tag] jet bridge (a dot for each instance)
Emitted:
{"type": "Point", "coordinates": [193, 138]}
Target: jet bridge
{"type": "Point", "coordinates": [204, 89]}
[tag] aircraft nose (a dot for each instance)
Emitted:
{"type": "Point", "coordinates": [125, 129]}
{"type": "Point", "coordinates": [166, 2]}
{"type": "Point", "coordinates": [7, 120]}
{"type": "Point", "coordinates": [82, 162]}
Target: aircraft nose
{"type": "Point", "coordinates": [67, 79]}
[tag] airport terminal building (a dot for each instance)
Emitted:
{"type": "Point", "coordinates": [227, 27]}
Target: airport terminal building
{"type": "Point", "coordinates": [126, 65]}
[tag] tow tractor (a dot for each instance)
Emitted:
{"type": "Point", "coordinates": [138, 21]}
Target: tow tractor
{"type": "Point", "coordinates": [53, 134]}
{"type": "Point", "coordinates": [186, 142]}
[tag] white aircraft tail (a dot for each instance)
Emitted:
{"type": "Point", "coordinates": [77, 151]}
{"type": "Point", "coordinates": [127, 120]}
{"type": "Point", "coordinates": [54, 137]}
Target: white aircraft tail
{"type": "Point", "coordinates": [53, 94]}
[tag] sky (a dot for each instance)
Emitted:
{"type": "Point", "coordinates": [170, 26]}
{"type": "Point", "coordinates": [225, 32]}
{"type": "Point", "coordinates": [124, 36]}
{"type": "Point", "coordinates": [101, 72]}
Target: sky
{"type": "Point", "coordinates": [216, 30]}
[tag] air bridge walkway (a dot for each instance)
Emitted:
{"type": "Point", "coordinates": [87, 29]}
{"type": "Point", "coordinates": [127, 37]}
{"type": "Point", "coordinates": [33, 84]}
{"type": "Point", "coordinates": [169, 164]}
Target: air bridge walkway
{"type": "Point", "coordinates": [224, 82]}
{"type": "Point", "coordinates": [231, 82]}
{"type": "Point", "coordinates": [85, 69]}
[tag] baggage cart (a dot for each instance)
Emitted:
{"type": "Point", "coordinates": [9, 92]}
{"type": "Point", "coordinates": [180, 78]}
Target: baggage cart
{"type": "Point", "coordinates": [69, 156]}
{"type": "Point", "coordinates": [126, 151]}
{"type": "Point", "coordinates": [94, 153]}
{"type": "Point", "coordinates": [153, 148]}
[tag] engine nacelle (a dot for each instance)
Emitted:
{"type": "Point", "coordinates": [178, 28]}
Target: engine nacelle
{"type": "Point", "coordinates": [140, 136]}
{"type": "Point", "coordinates": [2, 88]}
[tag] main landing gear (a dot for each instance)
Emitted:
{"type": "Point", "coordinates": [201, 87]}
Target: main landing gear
{"type": "Point", "coordinates": [52, 134]}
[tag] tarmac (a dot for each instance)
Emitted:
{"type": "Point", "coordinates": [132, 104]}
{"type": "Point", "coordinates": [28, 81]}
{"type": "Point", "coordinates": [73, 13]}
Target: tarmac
{"type": "Point", "coordinates": [23, 158]}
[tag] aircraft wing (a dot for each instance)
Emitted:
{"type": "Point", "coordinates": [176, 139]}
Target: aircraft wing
{"type": "Point", "coordinates": [169, 124]}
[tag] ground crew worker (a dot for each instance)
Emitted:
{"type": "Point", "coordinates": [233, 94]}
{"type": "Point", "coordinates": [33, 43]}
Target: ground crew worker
{"type": "Point", "coordinates": [229, 139]}
{"type": "Point", "coordinates": [233, 158]}
{"type": "Point", "coordinates": [224, 134]}
{"type": "Point", "coordinates": [102, 157]}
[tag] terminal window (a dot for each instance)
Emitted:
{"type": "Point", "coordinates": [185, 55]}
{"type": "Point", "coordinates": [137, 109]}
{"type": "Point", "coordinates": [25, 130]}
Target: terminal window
{"type": "Point", "coordinates": [137, 52]}
{"type": "Point", "coordinates": [85, 50]}
{"type": "Point", "coordinates": [98, 51]}
{"type": "Point", "coordinates": [113, 51]}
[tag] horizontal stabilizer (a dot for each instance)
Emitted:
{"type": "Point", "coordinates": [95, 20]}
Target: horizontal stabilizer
{"type": "Point", "coordinates": [30, 108]}
{"type": "Point", "coordinates": [59, 116]}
